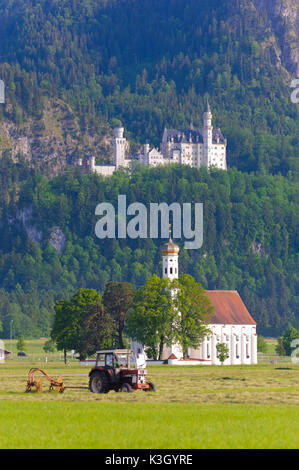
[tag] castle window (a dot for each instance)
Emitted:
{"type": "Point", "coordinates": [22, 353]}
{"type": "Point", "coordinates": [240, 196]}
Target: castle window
{"type": "Point", "coordinates": [176, 153]}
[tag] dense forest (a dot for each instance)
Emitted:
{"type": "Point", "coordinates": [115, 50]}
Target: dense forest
{"type": "Point", "coordinates": [148, 64]}
{"type": "Point", "coordinates": [250, 239]}
{"type": "Point", "coordinates": [153, 63]}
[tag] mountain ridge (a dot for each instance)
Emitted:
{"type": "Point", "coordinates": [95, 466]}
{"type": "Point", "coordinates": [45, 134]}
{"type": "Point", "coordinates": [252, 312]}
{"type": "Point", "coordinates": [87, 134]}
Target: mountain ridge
{"type": "Point", "coordinates": [103, 61]}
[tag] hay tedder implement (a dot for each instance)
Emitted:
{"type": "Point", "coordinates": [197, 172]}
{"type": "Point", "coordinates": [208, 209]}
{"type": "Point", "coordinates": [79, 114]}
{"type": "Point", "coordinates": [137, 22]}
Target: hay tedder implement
{"type": "Point", "coordinates": [36, 382]}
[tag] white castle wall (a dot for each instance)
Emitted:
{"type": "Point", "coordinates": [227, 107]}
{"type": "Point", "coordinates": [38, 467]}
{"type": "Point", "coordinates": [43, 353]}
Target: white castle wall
{"type": "Point", "coordinates": [104, 170]}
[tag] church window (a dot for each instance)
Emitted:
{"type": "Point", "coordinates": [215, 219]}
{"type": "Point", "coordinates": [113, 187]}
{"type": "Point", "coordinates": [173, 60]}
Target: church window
{"type": "Point", "coordinates": [247, 351]}
{"type": "Point", "coordinates": [165, 270]}
{"type": "Point", "coordinates": [208, 351]}
{"type": "Point", "coordinates": [176, 270]}
{"type": "Point", "coordinates": [237, 351]}
{"type": "Point", "coordinates": [170, 270]}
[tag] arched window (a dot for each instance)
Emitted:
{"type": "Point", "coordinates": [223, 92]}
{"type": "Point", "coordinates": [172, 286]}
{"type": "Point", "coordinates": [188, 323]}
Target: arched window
{"type": "Point", "coordinates": [247, 347]}
{"type": "Point", "coordinates": [237, 351]}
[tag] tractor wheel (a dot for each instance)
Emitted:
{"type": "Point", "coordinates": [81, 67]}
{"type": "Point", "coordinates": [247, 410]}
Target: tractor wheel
{"type": "Point", "coordinates": [126, 388]}
{"type": "Point", "coordinates": [151, 388]}
{"type": "Point", "coordinates": [98, 383]}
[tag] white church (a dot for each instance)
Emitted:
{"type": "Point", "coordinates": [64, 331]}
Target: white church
{"type": "Point", "coordinates": [192, 147]}
{"type": "Point", "coordinates": [231, 324]}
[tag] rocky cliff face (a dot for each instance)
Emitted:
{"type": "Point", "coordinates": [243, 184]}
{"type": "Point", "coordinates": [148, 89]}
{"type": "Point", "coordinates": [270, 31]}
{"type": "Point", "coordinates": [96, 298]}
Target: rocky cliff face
{"type": "Point", "coordinates": [58, 138]}
{"type": "Point", "coordinates": [55, 140]}
{"type": "Point", "coordinates": [284, 17]}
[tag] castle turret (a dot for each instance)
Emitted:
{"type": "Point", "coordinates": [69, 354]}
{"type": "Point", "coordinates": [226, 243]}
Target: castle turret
{"type": "Point", "coordinates": [207, 133]}
{"type": "Point", "coordinates": [146, 148]}
{"type": "Point", "coordinates": [119, 147]}
{"type": "Point", "coordinates": [92, 164]}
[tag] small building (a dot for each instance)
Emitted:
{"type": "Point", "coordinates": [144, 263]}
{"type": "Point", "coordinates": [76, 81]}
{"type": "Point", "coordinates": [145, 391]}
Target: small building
{"type": "Point", "coordinates": [4, 354]}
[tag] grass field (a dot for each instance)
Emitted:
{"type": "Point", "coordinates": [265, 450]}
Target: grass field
{"type": "Point", "coordinates": [194, 407]}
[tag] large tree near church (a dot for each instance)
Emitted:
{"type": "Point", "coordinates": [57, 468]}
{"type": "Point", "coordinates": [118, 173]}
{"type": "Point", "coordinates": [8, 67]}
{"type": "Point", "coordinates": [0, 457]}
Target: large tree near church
{"type": "Point", "coordinates": [117, 300]}
{"type": "Point", "coordinates": [195, 310]}
{"type": "Point", "coordinates": [151, 316]}
{"type": "Point", "coordinates": [82, 324]}
{"type": "Point", "coordinates": [168, 312]}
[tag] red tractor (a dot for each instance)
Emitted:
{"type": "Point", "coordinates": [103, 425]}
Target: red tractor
{"type": "Point", "coordinates": [114, 372]}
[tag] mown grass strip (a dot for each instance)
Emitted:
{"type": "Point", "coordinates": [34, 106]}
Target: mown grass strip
{"type": "Point", "coordinates": [136, 425]}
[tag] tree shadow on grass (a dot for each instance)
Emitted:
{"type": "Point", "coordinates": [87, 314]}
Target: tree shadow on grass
{"type": "Point", "coordinates": [232, 378]}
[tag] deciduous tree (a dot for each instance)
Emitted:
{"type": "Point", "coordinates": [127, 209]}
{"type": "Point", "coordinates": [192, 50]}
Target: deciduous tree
{"type": "Point", "coordinates": [117, 300]}
{"type": "Point", "coordinates": [73, 318]}
{"type": "Point", "coordinates": [195, 310]}
{"type": "Point", "coordinates": [222, 351]}
{"type": "Point", "coordinates": [152, 314]}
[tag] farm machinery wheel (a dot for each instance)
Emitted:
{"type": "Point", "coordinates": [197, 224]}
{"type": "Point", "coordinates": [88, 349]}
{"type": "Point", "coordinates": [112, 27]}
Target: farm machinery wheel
{"type": "Point", "coordinates": [98, 383]}
{"type": "Point", "coordinates": [152, 387]}
{"type": "Point", "coordinates": [126, 388]}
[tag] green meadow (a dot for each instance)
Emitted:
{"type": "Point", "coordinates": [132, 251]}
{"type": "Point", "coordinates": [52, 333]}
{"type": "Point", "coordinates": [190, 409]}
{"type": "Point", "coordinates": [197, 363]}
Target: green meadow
{"type": "Point", "coordinates": [130, 424]}
{"type": "Point", "coordinates": [194, 407]}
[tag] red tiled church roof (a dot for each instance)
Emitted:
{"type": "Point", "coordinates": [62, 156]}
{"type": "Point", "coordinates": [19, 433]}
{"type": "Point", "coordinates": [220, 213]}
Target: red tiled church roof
{"type": "Point", "coordinates": [229, 308]}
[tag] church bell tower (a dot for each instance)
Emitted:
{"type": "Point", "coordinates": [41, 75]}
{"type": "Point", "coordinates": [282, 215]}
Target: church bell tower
{"type": "Point", "coordinates": [170, 260]}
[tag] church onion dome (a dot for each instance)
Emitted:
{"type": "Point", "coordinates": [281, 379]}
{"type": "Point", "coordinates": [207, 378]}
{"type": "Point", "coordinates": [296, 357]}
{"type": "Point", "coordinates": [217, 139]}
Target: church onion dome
{"type": "Point", "coordinates": [170, 248]}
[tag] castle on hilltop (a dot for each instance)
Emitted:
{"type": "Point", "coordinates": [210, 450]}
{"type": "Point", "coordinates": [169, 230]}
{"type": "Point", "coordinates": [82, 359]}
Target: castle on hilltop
{"type": "Point", "coordinates": [192, 147]}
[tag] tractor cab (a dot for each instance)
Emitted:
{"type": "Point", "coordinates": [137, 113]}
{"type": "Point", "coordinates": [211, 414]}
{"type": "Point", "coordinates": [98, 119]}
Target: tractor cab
{"type": "Point", "coordinates": [118, 369]}
{"type": "Point", "coordinates": [114, 358]}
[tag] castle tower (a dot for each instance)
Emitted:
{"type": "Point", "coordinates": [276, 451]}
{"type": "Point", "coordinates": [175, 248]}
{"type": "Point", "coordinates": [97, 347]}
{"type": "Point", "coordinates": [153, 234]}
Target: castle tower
{"type": "Point", "coordinates": [119, 147]}
{"type": "Point", "coordinates": [170, 260]}
{"type": "Point", "coordinates": [92, 164]}
{"type": "Point", "coordinates": [207, 132]}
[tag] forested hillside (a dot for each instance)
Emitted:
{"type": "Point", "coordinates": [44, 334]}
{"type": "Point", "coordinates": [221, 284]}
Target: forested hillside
{"type": "Point", "coordinates": [250, 239]}
{"type": "Point", "coordinates": [72, 67]}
